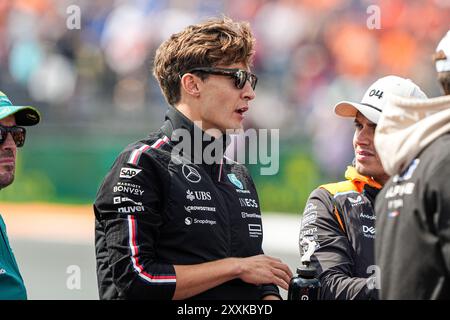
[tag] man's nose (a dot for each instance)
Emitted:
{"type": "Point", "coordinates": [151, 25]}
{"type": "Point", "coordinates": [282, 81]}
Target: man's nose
{"type": "Point", "coordinates": [8, 143]}
{"type": "Point", "coordinates": [249, 93]}
{"type": "Point", "coordinates": [362, 137]}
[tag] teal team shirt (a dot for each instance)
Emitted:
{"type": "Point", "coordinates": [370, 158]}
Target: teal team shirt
{"type": "Point", "coordinates": [11, 282]}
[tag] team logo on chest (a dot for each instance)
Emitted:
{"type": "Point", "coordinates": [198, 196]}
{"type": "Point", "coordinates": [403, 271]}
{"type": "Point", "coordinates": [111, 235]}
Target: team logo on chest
{"type": "Point", "coordinates": [191, 174]}
{"type": "Point", "coordinates": [234, 180]}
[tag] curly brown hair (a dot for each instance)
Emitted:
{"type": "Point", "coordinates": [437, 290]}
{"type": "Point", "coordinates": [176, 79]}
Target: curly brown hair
{"type": "Point", "coordinates": [443, 77]}
{"type": "Point", "coordinates": [218, 41]}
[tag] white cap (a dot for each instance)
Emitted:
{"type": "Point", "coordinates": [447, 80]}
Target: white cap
{"type": "Point", "coordinates": [376, 97]}
{"type": "Point", "coordinates": [444, 45]}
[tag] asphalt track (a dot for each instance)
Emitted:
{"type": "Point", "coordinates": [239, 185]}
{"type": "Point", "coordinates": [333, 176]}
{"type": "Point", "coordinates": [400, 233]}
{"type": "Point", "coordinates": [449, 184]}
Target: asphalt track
{"type": "Point", "coordinates": [55, 250]}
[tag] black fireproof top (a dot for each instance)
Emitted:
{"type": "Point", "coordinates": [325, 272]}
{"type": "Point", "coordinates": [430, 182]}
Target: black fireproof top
{"type": "Point", "coordinates": [159, 207]}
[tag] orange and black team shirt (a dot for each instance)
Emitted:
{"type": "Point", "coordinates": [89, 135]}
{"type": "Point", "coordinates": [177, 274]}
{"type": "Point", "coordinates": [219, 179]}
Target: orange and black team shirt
{"type": "Point", "coordinates": [340, 218]}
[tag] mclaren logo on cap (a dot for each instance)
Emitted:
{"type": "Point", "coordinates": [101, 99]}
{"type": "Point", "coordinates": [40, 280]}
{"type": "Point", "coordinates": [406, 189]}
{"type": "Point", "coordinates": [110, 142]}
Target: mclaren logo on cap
{"type": "Point", "coordinates": [31, 116]}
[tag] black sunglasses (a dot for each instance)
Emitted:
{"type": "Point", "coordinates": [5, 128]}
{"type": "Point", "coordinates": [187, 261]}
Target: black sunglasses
{"type": "Point", "coordinates": [240, 76]}
{"type": "Point", "coordinates": [17, 133]}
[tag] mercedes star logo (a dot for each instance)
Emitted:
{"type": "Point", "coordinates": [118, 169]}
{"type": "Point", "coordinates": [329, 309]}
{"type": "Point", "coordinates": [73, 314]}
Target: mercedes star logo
{"type": "Point", "coordinates": [191, 174]}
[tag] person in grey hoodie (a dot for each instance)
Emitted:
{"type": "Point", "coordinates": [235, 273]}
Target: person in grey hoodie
{"type": "Point", "coordinates": [441, 59]}
{"type": "Point", "coordinates": [412, 247]}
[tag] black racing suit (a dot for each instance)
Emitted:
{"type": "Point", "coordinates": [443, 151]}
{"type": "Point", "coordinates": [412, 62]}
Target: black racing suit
{"type": "Point", "coordinates": [340, 218]}
{"type": "Point", "coordinates": [413, 240]}
{"type": "Point", "coordinates": [158, 208]}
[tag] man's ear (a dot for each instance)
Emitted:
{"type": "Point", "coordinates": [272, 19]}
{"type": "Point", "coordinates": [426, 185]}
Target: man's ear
{"type": "Point", "coordinates": [190, 84]}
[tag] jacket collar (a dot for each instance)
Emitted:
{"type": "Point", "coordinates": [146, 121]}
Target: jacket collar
{"type": "Point", "coordinates": [177, 125]}
{"type": "Point", "coordinates": [359, 180]}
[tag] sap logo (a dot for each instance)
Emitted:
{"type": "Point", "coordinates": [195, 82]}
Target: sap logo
{"type": "Point", "coordinates": [117, 200]}
{"type": "Point", "coordinates": [367, 229]}
{"type": "Point", "coordinates": [129, 172]}
{"type": "Point", "coordinates": [400, 190]}
{"type": "Point", "coordinates": [199, 195]}
{"type": "Point", "coordinates": [133, 209]}
{"type": "Point", "coordinates": [248, 203]}
{"type": "Point", "coordinates": [356, 202]}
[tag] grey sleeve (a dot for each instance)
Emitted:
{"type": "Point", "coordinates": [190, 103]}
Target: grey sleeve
{"type": "Point", "coordinates": [437, 204]}
{"type": "Point", "coordinates": [333, 254]}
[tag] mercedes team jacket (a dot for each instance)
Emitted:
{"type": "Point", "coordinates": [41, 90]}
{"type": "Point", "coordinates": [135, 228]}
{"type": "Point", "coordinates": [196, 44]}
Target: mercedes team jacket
{"type": "Point", "coordinates": [340, 218]}
{"type": "Point", "coordinates": [413, 240]}
{"type": "Point", "coordinates": [156, 209]}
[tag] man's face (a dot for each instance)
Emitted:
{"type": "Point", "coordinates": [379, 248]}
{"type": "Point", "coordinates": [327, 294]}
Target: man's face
{"type": "Point", "coordinates": [367, 161]}
{"type": "Point", "coordinates": [7, 155]}
{"type": "Point", "coordinates": [223, 105]}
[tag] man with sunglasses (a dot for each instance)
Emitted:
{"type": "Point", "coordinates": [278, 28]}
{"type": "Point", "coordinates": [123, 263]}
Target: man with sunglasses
{"type": "Point", "coordinates": [12, 136]}
{"type": "Point", "coordinates": [173, 220]}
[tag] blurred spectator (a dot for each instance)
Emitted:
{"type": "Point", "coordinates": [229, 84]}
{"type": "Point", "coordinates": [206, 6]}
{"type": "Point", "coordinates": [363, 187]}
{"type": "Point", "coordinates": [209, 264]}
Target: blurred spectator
{"type": "Point", "coordinates": [309, 52]}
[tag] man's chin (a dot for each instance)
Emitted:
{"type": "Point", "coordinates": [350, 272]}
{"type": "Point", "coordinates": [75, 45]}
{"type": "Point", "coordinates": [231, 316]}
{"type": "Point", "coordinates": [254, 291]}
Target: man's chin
{"type": "Point", "coordinates": [363, 170]}
{"type": "Point", "coordinates": [6, 181]}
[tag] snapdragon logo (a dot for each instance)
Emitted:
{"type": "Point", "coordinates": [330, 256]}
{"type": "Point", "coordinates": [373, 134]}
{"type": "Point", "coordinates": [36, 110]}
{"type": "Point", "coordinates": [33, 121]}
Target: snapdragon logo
{"type": "Point", "coordinates": [259, 146]}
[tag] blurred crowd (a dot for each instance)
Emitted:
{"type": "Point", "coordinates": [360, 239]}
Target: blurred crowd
{"type": "Point", "coordinates": [310, 54]}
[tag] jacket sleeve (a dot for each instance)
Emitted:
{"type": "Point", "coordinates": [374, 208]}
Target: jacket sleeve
{"type": "Point", "coordinates": [265, 289]}
{"type": "Point", "coordinates": [129, 206]}
{"type": "Point", "coordinates": [437, 200]}
{"type": "Point", "coordinates": [333, 253]}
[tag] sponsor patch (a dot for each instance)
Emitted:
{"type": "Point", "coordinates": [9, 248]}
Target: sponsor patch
{"type": "Point", "coordinates": [309, 207]}
{"type": "Point", "coordinates": [118, 200]}
{"type": "Point", "coordinates": [199, 208]}
{"type": "Point", "coordinates": [129, 173]}
{"type": "Point", "coordinates": [234, 180]}
{"type": "Point", "coordinates": [254, 230]}
{"type": "Point", "coordinates": [250, 215]}
{"type": "Point", "coordinates": [131, 209]}
{"type": "Point", "coordinates": [188, 221]}
{"type": "Point", "coordinates": [250, 203]}
{"type": "Point", "coordinates": [369, 232]}
{"type": "Point", "coordinates": [407, 174]}
{"type": "Point", "coordinates": [309, 219]}
{"type": "Point", "coordinates": [367, 216]}
{"type": "Point", "coordinates": [356, 202]}
{"type": "Point", "coordinates": [191, 174]}
{"type": "Point", "coordinates": [199, 195]}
